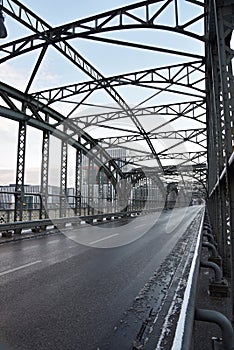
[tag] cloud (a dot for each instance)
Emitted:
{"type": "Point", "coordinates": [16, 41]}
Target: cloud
{"type": "Point", "coordinates": [12, 76]}
{"type": "Point", "coordinates": [18, 77]}
{"type": "Point", "coordinates": [7, 176]}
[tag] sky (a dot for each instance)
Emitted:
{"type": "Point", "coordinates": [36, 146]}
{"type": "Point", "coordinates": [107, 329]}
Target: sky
{"type": "Point", "coordinates": [108, 59]}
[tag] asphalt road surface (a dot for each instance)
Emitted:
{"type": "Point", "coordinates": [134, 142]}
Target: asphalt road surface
{"type": "Point", "coordinates": [57, 293]}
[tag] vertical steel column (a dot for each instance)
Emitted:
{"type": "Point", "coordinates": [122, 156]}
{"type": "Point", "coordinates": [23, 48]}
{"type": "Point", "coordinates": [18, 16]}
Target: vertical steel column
{"type": "Point", "coordinates": [115, 206]}
{"type": "Point", "coordinates": [20, 170]}
{"type": "Point", "coordinates": [214, 141]}
{"type": "Point", "coordinates": [109, 192]}
{"type": "Point", "coordinates": [224, 21]}
{"type": "Point", "coordinates": [219, 216]}
{"type": "Point", "coordinates": [63, 176]}
{"type": "Point", "coordinates": [101, 177]}
{"type": "Point", "coordinates": [90, 186]}
{"type": "Point", "coordinates": [44, 174]}
{"type": "Point", "coordinates": [78, 182]}
{"type": "Point", "coordinates": [225, 246]}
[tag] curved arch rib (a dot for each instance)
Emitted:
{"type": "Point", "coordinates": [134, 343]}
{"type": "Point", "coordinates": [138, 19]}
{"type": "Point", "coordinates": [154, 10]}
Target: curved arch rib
{"type": "Point", "coordinates": [47, 37]}
{"type": "Point", "coordinates": [174, 75]}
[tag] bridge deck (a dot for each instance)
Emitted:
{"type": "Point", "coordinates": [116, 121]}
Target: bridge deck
{"type": "Point", "coordinates": [86, 297]}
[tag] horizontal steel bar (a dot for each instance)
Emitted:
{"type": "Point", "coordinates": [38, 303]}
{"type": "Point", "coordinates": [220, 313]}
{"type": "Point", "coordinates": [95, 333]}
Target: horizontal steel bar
{"type": "Point", "coordinates": [222, 321]}
{"type": "Point", "coordinates": [183, 335]}
{"type": "Point", "coordinates": [215, 268]}
{"type": "Point", "coordinates": [20, 225]}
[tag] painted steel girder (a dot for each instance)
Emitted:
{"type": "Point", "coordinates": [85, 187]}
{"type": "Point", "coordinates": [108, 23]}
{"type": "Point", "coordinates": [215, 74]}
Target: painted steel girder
{"type": "Point", "coordinates": [32, 21]}
{"type": "Point", "coordinates": [197, 171]}
{"type": "Point", "coordinates": [185, 135]}
{"type": "Point", "coordinates": [84, 65]}
{"type": "Point", "coordinates": [193, 157]}
{"type": "Point", "coordinates": [221, 108]}
{"type": "Point", "coordinates": [184, 75]}
{"type": "Point", "coordinates": [86, 144]}
{"type": "Point", "coordinates": [195, 110]}
{"type": "Point", "coordinates": [168, 2]}
{"type": "Point", "coordinates": [51, 128]}
{"type": "Point", "coordinates": [196, 157]}
{"type": "Point", "coordinates": [113, 14]}
{"type": "Point", "coordinates": [96, 24]}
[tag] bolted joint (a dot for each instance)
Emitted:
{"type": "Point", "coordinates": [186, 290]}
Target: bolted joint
{"type": "Point", "coordinates": [220, 290]}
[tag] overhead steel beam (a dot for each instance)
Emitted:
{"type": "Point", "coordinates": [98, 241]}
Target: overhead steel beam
{"type": "Point", "coordinates": [195, 110]}
{"type": "Point", "coordinates": [21, 117]}
{"type": "Point", "coordinates": [97, 24]}
{"type": "Point", "coordinates": [45, 35]}
{"type": "Point", "coordinates": [87, 142]}
{"type": "Point", "coordinates": [185, 135]}
{"type": "Point", "coordinates": [67, 50]}
{"type": "Point", "coordinates": [182, 75]}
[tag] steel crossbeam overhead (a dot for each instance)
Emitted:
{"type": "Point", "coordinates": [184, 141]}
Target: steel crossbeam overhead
{"type": "Point", "coordinates": [195, 157]}
{"type": "Point", "coordinates": [196, 171]}
{"type": "Point", "coordinates": [194, 110]}
{"type": "Point", "coordinates": [185, 158]}
{"type": "Point", "coordinates": [41, 122]}
{"type": "Point", "coordinates": [184, 135]}
{"type": "Point", "coordinates": [188, 75]}
{"type": "Point", "coordinates": [78, 60]}
{"type": "Point", "coordinates": [96, 25]}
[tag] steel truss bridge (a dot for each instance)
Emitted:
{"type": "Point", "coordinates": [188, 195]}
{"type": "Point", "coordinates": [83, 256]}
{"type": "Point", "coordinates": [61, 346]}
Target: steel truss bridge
{"type": "Point", "coordinates": [170, 121]}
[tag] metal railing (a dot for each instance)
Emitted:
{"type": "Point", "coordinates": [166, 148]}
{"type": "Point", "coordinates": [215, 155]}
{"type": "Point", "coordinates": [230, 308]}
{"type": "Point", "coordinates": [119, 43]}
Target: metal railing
{"type": "Point", "coordinates": [41, 224]}
{"type": "Point", "coordinates": [189, 313]}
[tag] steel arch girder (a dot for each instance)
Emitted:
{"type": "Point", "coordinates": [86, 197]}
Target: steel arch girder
{"type": "Point", "coordinates": [73, 55]}
{"type": "Point", "coordinates": [177, 110]}
{"type": "Point", "coordinates": [186, 135]}
{"type": "Point", "coordinates": [39, 123]}
{"type": "Point", "coordinates": [81, 28]}
{"type": "Point", "coordinates": [17, 116]}
{"type": "Point", "coordinates": [174, 75]}
{"type": "Point", "coordinates": [148, 22]}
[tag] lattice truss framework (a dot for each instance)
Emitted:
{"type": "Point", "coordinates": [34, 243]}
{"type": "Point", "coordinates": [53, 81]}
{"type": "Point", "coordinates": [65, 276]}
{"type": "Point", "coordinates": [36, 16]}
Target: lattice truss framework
{"type": "Point", "coordinates": [156, 114]}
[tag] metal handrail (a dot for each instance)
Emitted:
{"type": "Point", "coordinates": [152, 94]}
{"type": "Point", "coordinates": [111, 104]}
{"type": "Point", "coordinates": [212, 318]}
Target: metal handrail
{"type": "Point", "coordinates": [19, 225]}
{"type": "Point", "coordinates": [184, 329]}
{"type": "Point", "coordinates": [189, 312]}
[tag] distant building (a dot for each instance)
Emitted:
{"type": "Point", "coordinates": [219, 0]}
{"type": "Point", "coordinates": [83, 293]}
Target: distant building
{"type": "Point", "coordinates": [117, 154]}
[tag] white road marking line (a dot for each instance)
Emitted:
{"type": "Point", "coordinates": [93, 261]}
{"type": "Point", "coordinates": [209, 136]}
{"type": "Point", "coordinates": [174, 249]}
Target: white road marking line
{"type": "Point", "coordinates": [140, 225]}
{"type": "Point", "coordinates": [19, 268]}
{"type": "Point", "coordinates": [104, 238]}
{"type": "Point", "coordinates": [31, 247]}
{"type": "Point", "coordinates": [54, 242]}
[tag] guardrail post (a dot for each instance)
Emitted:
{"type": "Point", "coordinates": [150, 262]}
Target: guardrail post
{"type": "Point", "coordinates": [218, 273]}
{"type": "Point", "coordinates": [212, 248]}
{"type": "Point", "coordinates": [218, 286]}
{"type": "Point", "coordinates": [227, 341]}
{"type": "Point", "coordinates": [7, 234]}
{"type": "Point", "coordinates": [17, 231]}
{"type": "Point", "coordinates": [210, 237]}
{"type": "Point", "coordinates": [215, 257]}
